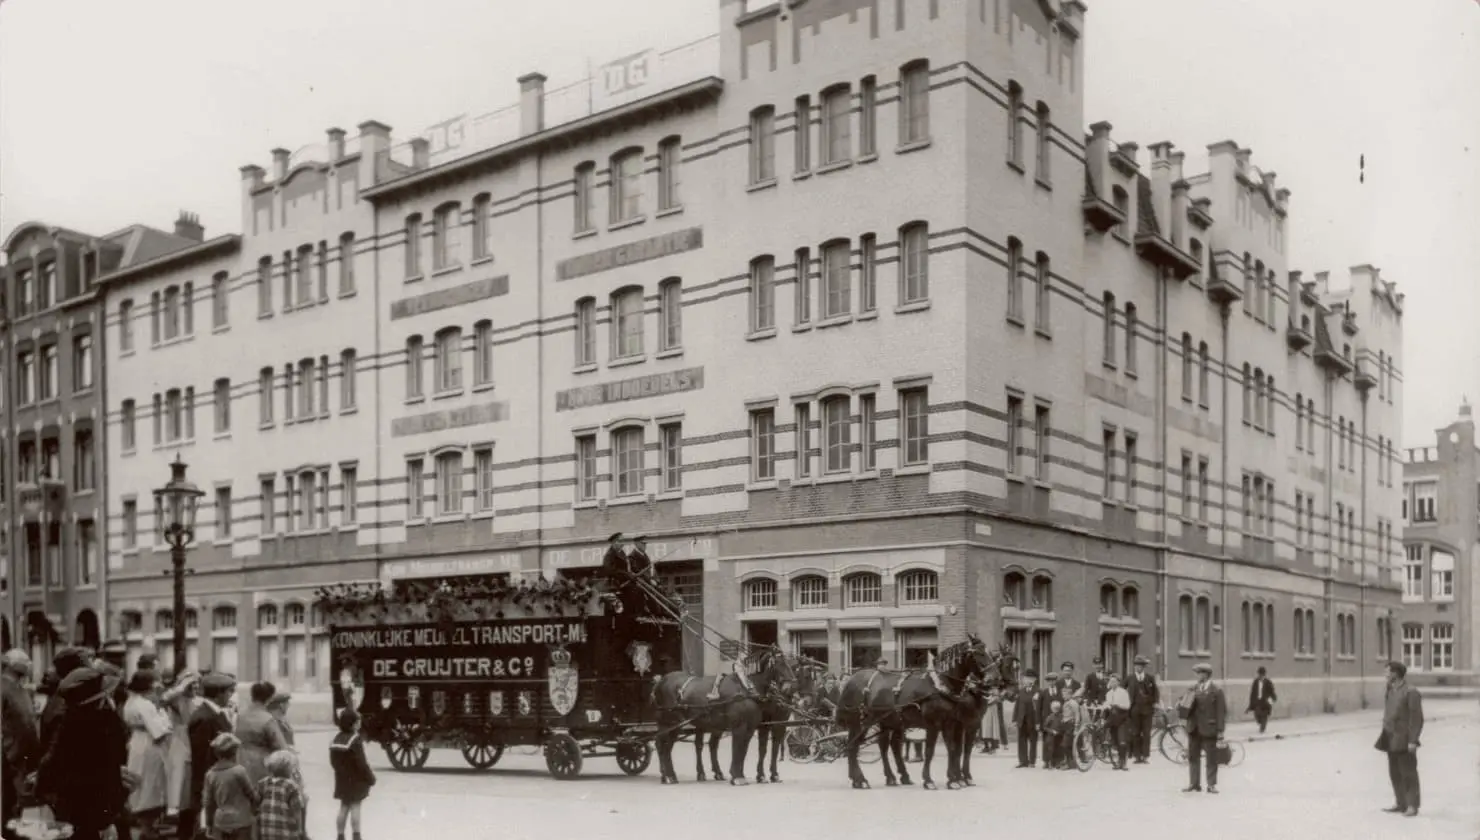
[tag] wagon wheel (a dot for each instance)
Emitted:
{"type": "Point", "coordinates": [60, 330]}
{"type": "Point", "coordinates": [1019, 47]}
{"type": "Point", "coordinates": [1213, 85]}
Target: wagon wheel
{"type": "Point", "coordinates": [406, 749]}
{"type": "Point", "coordinates": [481, 752]}
{"type": "Point", "coordinates": [563, 757]}
{"type": "Point", "coordinates": [801, 743]}
{"type": "Point", "coordinates": [633, 757]}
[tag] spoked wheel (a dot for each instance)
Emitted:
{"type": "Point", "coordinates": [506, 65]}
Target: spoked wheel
{"type": "Point", "coordinates": [633, 757]}
{"type": "Point", "coordinates": [1172, 743]}
{"type": "Point", "coordinates": [563, 757]}
{"type": "Point", "coordinates": [1235, 754]}
{"type": "Point", "coordinates": [1084, 750]}
{"type": "Point", "coordinates": [481, 752]}
{"type": "Point", "coordinates": [801, 743]}
{"type": "Point", "coordinates": [869, 752]}
{"type": "Point", "coordinates": [1104, 747]}
{"type": "Point", "coordinates": [406, 749]}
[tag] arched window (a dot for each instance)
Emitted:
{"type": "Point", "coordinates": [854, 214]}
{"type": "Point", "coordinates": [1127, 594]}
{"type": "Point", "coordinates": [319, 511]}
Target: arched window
{"type": "Point", "coordinates": [762, 294]}
{"type": "Point", "coordinates": [863, 589]}
{"type": "Point", "coordinates": [482, 216]}
{"type": "Point", "coordinates": [1130, 337]}
{"type": "Point", "coordinates": [447, 236]}
{"type": "Point", "coordinates": [1246, 614]}
{"type": "Point", "coordinates": [1109, 600]}
{"type": "Point", "coordinates": [837, 278]}
{"type": "Point", "coordinates": [293, 616]}
{"type": "Point", "coordinates": [1015, 590]}
{"type": "Point", "coordinates": [626, 323]}
{"type": "Point", "coordinates": [1186, 616]}
{"type": "Point", "coordinates": [760, 594]}
{"type": "Point", "coordinates": [223, 618]}
{"type": "Point", "coordinates": [809, 592]}
{"type": "Point", "coordinates": [1130, 603]}
{"type": "Point", "coordinates": [1270, 405]}
{"type": "Point", "coordinates": [626, 186]}
{"type": "Point", "coordinates": [1249, 287]}
{"type": "Point", "coordinates": [914, 102]}
{"type": "Point", "coordinates": [670, 314]}
{"type": "Point", "coordinates": [837, 424]}
{"type": "Point", "coordinates": [1122, 201]}
{"type": "Point", "coordinates": [1203, 373]}
{"type": "Point", "coordinates": [1204, 624]}
{"type": "Point", "coordinates": [918, 586]}
{"type": "Point", "coordinates": [670, 160]}
{"type": "Point", "coordinates": [1108, 303]}
{"type": "Point", "coordinates": [1248, 393]}
{"type": "Point", "coordinates": [267, 616]}
{"type": "Point", "coordinates": [914, 263]}
{"type": "Point", "coordinates": [1042, 594]}
{"type": "Point", "coordinates": [447, 364]}
{"type": "Point", "coordinates": [164, 621]}
{"type": "Point", "coordinates": [415, 367]}
{"type": "Point", "coordinates": [1187, 363]}
{"type": "Point", "coordinates": [585, 352]}
{"type": "Point", "coordinates": [413, 246]}
{"type": "Point", "coordinates": [585, 197]}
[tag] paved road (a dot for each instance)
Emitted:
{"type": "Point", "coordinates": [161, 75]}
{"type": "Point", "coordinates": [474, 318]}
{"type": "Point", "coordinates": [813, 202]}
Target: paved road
{"type": "Point", "coordinates": [1313, 786]}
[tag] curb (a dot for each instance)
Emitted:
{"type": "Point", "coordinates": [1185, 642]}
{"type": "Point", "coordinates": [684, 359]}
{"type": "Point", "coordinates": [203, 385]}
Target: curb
{"type": "Point", "coordinates": [1333, 731]}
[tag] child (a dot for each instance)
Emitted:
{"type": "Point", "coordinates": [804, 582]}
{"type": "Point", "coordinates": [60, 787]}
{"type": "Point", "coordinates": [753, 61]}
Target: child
{"type": "Point", "coordinates": [1053, 728]}
{"type": "Point", "coordinates": [229, 800]}
{"type": "Point", "coordinates": [352, 774]}
{"type": "Point", "coordinates": [283, 805]}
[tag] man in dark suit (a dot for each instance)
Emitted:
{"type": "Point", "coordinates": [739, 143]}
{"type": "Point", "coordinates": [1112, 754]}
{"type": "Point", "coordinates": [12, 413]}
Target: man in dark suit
{"type": "Point", "coordinates": [1145, 695]}
{"type": "Point", "coordinates": [1046, 695]}
{"type": "Point", "coordinates": [1205, 721]}
{"type": "Point", "coordinates": [1402, 724]}
{"type": "Point", "coordinates": [1066, 678]}
{"type": "Point", "coordinates": [1262, 698]}
{"type": "Point", "coordinates": [206, 722]}
{"type": "Point", "coordinates": [1026, 717]}
{"type": "Point", "coordinates": [1095, 684]}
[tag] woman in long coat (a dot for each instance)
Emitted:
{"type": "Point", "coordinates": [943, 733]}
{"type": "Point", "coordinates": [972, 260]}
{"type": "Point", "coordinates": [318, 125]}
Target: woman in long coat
{"type": "Point", "coordinates": [81, 774]}
{"type": "Point", "coordinates": [148, 750]}
{"type": "Point", "coordinates": [179, 702]}
{"type": "Point", "coordinates": [259, 733]}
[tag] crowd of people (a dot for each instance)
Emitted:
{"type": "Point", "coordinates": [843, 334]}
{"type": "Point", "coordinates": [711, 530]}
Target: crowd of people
{"type": "Point", "coordinates": [156, 753]}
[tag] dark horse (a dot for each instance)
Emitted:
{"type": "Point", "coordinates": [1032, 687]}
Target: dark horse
{"type": "Point", "coordinates": [777, 711]}
{"type": "Point", "coordinates": [940, 701]}
{"type": "Point", "coordinates": [722, 703]}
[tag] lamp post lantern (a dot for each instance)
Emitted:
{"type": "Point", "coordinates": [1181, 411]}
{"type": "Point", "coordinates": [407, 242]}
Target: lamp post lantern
{"type": "Point", "coordinates": [174, 516]}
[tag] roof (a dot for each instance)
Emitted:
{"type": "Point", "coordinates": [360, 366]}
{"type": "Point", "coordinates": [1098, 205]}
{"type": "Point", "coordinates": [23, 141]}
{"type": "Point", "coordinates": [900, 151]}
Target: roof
{"type": "Point", "coordinates": [37, 225]}
{"type": "Point", "coordinates": [142, 243]}
{"type": "Point", "coordinates": [1145, 208]}
{"type": "Point", "coordinates": [136, 263]}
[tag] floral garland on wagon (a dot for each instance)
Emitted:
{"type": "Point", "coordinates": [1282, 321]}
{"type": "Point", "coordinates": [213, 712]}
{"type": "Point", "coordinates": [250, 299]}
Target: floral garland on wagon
{"type": "Point", "coordinates": [448, 602]}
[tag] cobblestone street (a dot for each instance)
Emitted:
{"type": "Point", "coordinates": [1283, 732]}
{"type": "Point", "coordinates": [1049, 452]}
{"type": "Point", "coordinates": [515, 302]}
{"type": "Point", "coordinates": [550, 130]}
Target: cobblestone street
{"type": "Point", "coordinates": [1304, 784]}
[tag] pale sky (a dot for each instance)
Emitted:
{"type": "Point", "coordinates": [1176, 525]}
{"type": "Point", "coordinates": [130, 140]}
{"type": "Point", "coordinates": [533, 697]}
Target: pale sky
{"type": "Point", "coordinates": [121, 111]}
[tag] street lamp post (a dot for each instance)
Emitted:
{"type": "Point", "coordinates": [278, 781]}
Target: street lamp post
{"type": "Point", "coordinates": [174, 515]}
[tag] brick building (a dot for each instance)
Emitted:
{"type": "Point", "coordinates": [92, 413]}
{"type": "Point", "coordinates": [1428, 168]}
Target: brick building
{"type": "Point", "coordinates": [1441, 544]}
{"type": "Point", "coordinates": [1051, 390]}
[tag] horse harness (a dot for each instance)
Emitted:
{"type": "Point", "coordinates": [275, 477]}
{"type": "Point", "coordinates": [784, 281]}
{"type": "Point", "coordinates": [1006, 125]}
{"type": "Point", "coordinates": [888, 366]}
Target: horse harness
{"type": "Point", "coordinates": [935, 680]}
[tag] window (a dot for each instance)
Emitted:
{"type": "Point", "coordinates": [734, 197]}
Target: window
{"type": "Point", "coordinates": [803, 134]}
{"type": "Point", "coordinates": [1186, 615]}
{"type": "Point", "coordinates": [346, 263]}
{"type": "Point", "coordinates": [836, 424]}
{"type": "Point", "coordinates": [627, 452]}
{"type": "Point", "coordinates": [129, 428]}
{"type": "Point", "coordinates": [174, 418]}
{"type": "Point", "coordinates": [264, 287]}
{"type": "Point", "coordinates": [914, 410]}
{"type": "Point", "coordinates": [670, 159]}
{"type": "Point", "coordinates": [1186, 478]}
{"type": "Point", "coordinates": [836, 279]}
{"type": "Point", "coordinates": [762, 294]}
{"type": "Point", "coordinates": [1044, 278]}
{"type": "Point", "coordinates": [914, 103]}
{"type": "Point", "coordinates": [304, 295]}
{"type": "Point", "coordinates": [1203, 373]}
{"type": "Point", "coordinates": [1109, 600]}
{"type": "Point", "coordinates": [670, 443]}
{"type": "Point", "coordinates": [803, 435]}
{"type": "Point", "coordinates": [626, 325]}
{"type": "Point", "coordinates": [760, 594]}
{"type": "Point", "coordinates": [84, 468]}
{"type": "Point", "coordinates": [1107, 303]}
{"type": "Point", "coordinates": [305, 389]}
{"type": "Point", "coordinates": [802, 306]}
{"type": "Point", "coordinates": [349, 494]}
{"type": "Point", "coordinates": [1042, 430]}
{"type": "Point", "coordinates": [868, 285]}
{"type": "Point", "coordinates": [1248, 382]}
{"type": "Point", "coordinates": [307, 491]}
{"type": "Point", "coordinates": [763, 445]}
{"type": "Point", "coordinates": [863, 589]}
{"type": "Point", "coordinates": [25, 291]}
{"type": "Point", "coordinates": [221, 400]}
{"type": "Point", "coordinates": [1130, 338]}
{"type": "Point", "coordinates": [1441, 564]}
{"type": "Point", "coordinates": [482, 206]}
{"type": "Point", "coordinates": [1271, 403]}
{"type": "Point", "coordinates": [1014, 433]}
{"type": "Point", "coordinates": [918, 587]}
{"type": "Point", "coordinates": [82, 362]}
{"type": "Point", "coordinates": [914, 263]}
{"type": "Point", "coordinates": [1425, 500]}
{"type": "Point", "coordinates": [416, 502]}
{"type": "Point", "coordinates": [220, 294]}
{"type": "Point", "coordinates": [1130, 467]}
{"type": "Point", "coordinates": [586, 468]}
{"type": "Point", "coordinates": [413, 246]}
{"type": "Point", "coordinates": [809, 592]}
{"type": "Point", "coordinates": [126, 326]}
{"type": "Point", "coordinates": [1187, 367]}
{"type": "Point", "coordinates": [446, 236]}
{"type": "Point", "coordinates": [1413, 573]}
{"type": "Point", "coordinates": [670, 314]}
{"type": "Point", "coordinates": [268, 504]}
{"type": "Point", "coordinates": [49, 373]}
{"type": "Point", "coordinates": [1107, 453]}
{"type": "Point", "coordinates": [1014, 125]}
{"type": "Point", "coordinates": [762, 145]}
{"type": "Point", "coordinates": [25, 367]}
{"type": "Point", "coordinates": [837, 134]}
{"type": "Point", "coordinates": [1441, 640]}
{"type": "Point", "coordinates": [1014, 279]}
{"type": "Point", "coordinates": [130, 523]}
{"type": "Point", "coordinates": [223, 513]}
{"type": "Point", "coordinates": [449, 483]}
{"type": "Point", "coordinates": [585, 197]}
{"type": "Point", "coordinates": [1202, 489]}
{"type": "Point", "coordinates": [626, 186]}
{"type": "Point", "coordinates": [414, 387]}
{"type": "Point", "coordinates": [264, 396]}
{"type": "Point", "coordinates": [447, 365]}
{"type": "Point", "coordinates": [347, 376]}
{"type": "Point", "coordinates": [1044, 146]}
{"type": "Point", "coordinates": [868, 431]}
{"type": "Point", "coordinates": [1413, 646]}
{"type": "Point", "coordinates": [87, 552]}
{"type": "Point", "coordinates": [868, 125]}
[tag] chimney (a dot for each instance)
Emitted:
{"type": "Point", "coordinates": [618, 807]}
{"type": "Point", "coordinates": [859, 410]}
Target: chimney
{"type": "Point", "coordinates": [1242, 156]}
{"type": "Point", "coordinates": [336, 144]}
{"type": "Point", "coordinates": [1270, 180]}
{"type": "Point", "coordinates": [421, 153]}
{"type": "Point", "coordinates": [375, 145]}
{"type": "Point", "coordinates": [531, 104]}
{"type": "Point", "coordinates": [1323, 283]}
{"type": "Point", "coordinates": [1098, 158]}
{"type": "Point", "coordinates": [1292, 288]}
{"type": "Point", "coordinates": [731, 39]}
{"type": "Point", "coordinates": [252, 176]}
{"type": "Point", "coordinates": [188, 226]}
{"type": "Point", "coordinates": [280, 164]}
{"type": "Point", "coordinates": [1161, 186]}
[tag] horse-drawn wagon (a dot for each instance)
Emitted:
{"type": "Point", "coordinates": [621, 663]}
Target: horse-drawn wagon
{"type": "Point", "coordinates": [567, 665]}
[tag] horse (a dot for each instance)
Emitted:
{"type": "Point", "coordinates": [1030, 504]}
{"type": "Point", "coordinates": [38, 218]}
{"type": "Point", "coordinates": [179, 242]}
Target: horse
{"type": "Point", "coordinates": [937, 701]}
{"type": "Point", "coordinates": [726, 703]}
{"type": "Point", "coordinates": [983, 697]}
{"type": "Point", "coordinates": [777, 712]}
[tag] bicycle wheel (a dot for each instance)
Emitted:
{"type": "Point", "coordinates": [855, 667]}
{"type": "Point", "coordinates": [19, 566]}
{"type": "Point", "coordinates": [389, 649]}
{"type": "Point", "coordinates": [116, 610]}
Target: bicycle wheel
{"type": "Point", "coordinates": [1084, 750]}
{"type": "Point", "coordinates": [1104, 746]}
{"type": "Point", "coordinates": [1171, 742]}
{"type": "Point", "coordinates": [869, 751]}
{"type": "Point", "coordinates": [801, 743]}
{"type": "Point", "coordinates": [1236, 753]}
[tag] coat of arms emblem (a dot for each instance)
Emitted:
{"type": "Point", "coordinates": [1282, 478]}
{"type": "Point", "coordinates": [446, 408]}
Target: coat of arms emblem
{"type": "Point", "coordinates": [495, 703]}
{"type": "Point", "coordinates": [525, 707]}
{"type": "Point", "coordinates": [564, 681]}
{"type": "Point", "coordinates": [413, 697]}
{"type": "Point", "coordinates": [642, 657]}
{"type": "Point", "coordinates": [439, 702]}
{"type": "Point", "coordinates": [387, 697]}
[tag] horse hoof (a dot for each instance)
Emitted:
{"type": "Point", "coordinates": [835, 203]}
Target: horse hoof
{"type": "Point", "coordinates": [719, 777]}
{"type": "Point", "coordinates": [775, 779]}
{"type": "Point", "coordinates": [928, 786]}
{"type": "Point", "coordinates": [953, 785]}
{"type": "Point", "coordinates": [890, 783]}
{"type": "Point", "coordinates": [968, 783]}
{"type": "Point", "coordinates": [760, 780]}
{"type": "Point", "coordinates": [907, 782]}
{"type": "Point", "coordinates": [739, 782]}
{"type": "Point", "coordinates": [861, 784]}
{"type": "Point", "coordinates": [701, 778]}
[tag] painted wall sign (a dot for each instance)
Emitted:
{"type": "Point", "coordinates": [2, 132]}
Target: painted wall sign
{"type": "Point", "coordinates": [453, 418]}
{"type": "Point", "coordinates": [662, 245]}
{"type": "Point", "coordinates": [489, 287]}
{"type": "Point", "coordinates": [585, 557]}
{"type": "Point", "coordinates": [657, 384]}
{"type": "Point", "coordinates": [431, 567]}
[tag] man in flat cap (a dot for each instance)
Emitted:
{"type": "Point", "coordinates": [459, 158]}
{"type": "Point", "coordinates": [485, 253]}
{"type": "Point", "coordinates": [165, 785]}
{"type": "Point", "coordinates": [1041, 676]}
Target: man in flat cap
{"type": "Point", "coordinates": [1145, 696]}
{"type": "Point", "coordinates": [1093, 690]}
{"type": "Point", "coordinates": [1027, 717]}
{"type": "Point", "coordinates": [1205, 720]}
{"type": "Point", "coordinates": [206, 722]}
{"type": "Point", "coordinates": [22, 746]}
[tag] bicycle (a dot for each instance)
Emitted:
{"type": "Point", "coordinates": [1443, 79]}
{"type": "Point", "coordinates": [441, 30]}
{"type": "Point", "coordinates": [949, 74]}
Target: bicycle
{"type": "Point", "coordinates": [823, 741]}
{"type": "Point", "coordinates": [1171, 735]}
{"type": "Point", "coordinates": [1094, 740]}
